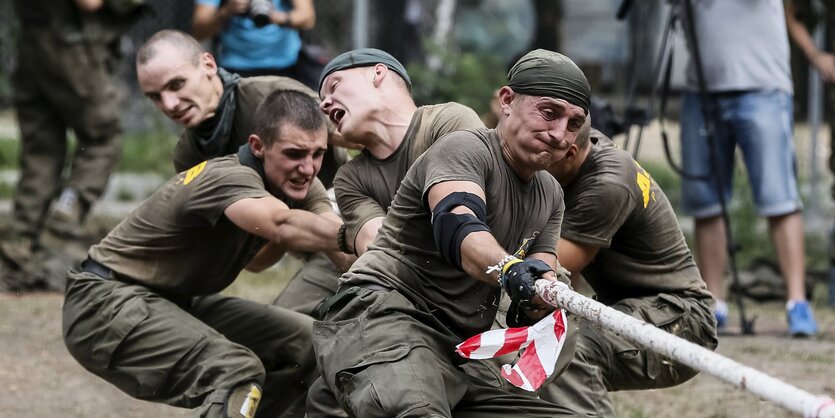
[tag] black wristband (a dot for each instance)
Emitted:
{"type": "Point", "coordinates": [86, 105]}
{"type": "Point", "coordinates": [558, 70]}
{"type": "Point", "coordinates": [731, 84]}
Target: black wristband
{"type": "Point", "coordinates": [341, 241]}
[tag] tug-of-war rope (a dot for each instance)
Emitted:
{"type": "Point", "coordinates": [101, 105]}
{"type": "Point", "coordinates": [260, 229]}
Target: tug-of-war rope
{"type": "Point", "coordinates": [685, 352]}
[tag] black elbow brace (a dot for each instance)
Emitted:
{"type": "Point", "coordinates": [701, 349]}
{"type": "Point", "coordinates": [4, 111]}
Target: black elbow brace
{"type": "Point", "coordinates": [450, 229]}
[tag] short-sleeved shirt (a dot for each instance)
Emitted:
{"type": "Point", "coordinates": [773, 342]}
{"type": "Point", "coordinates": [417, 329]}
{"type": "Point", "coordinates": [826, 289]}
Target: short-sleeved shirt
{"type": "Point", "coordinates": [743, 45]}
{"type": "Point", "coordinates": [179, 241]}
{"type": "Point", "coordinates": [404, 255]}
{"type": "Point", "coordinates": [614, 204]}
{"type": "Point", "coordinates": [251, 92]}
{"type": "Point", "coordinates": [365, 186]}
{"type": "Point", "coordinates": [244, 46]}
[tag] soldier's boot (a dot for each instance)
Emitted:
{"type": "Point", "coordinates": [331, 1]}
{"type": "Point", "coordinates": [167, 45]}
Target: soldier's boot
{"type": "Point", "coordinates": [67, 216]}
{"type": "Point", "coordinates": [239, 402]}
{"type": "Point", "coordinates": [16, 252]}
{"type": "Point", "coordinates": [62, 243]}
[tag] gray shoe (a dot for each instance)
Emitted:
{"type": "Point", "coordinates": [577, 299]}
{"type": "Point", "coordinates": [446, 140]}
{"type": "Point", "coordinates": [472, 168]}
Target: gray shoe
{"type": "Point", "coordinates": [67, 216]}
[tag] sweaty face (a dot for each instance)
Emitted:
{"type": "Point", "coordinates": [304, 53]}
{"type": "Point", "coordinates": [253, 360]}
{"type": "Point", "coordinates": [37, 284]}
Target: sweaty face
{"type": "Point", "coordinates": [182, 90]}
{"type": "Point", "coordinates": [541, 129]}
{"type": "Point", "coordinates": [294, 159]}
{"type": "Point", "coordinates": [348, 99]}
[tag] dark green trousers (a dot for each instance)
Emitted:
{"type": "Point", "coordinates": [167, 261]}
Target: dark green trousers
{"type": "Point", "coordinates": [604, 362]}
{"type": "Point", "coordinates": [188, 353]}
{"type": "Point", "coordinates": [60, 86]}
{"type": "Point", "coordinates": [383, 357]}
{"type": "Point", "coordinates": [315, 281]}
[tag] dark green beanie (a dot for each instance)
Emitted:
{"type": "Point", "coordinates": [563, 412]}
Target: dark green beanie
{"type": "Point", "coordinates": [364, 57]}
{"type": "Point", "coordinates": [551, 74]}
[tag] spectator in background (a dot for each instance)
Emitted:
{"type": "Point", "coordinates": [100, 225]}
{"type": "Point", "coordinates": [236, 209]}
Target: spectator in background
{"type": "Point", "coordinates": [66, 58]}
{"type": "Point", "coordinates": [255, 37]}
{"type": "Point", "coordinates": [824, 62]}
{"type": "Point", "coordinates": [745, 53]}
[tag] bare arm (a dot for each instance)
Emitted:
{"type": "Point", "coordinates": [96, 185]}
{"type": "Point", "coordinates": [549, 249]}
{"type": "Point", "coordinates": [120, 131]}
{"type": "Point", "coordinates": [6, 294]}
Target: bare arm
{"type": "Point", "coordinates": [268, 255]}
{"type": "Point", "coordinates": [575, 256]}
{"type": "Point", "coordinates": [367, 233]}
{"type": "Point", "coordinates": [292, 229]}
{"type": "Point", "coordinates": [823, 61]}
{"type": "Point", "coordinates": [302, 16]}
{"type": "Point", "coordinates": [89, 5]}
{"type": "Point", "coordinates": [208, 21]}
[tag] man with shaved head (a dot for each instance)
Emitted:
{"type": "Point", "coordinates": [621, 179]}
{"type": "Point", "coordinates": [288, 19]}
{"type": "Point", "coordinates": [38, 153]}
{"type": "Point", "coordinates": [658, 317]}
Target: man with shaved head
{"type": "Point", "coordinates": [216, 108]}
{"type": "Point", "coordinates": [435, 272]}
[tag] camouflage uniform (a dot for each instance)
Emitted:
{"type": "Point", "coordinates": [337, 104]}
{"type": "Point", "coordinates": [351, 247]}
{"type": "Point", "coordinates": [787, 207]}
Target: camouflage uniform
{"type": "Point", "coordinates": [64, 79]}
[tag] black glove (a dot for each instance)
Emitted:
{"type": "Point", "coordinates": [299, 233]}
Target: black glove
{"type": "Point", "coordinates": [517, 279]}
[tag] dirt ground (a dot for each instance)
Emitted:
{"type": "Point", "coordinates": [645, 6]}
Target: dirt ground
{"type": "Point", "coordinates": [39, 378]}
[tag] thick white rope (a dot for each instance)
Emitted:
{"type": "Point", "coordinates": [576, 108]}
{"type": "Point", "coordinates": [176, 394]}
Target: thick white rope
{"type": "Point", "coordinates": [685, 352]}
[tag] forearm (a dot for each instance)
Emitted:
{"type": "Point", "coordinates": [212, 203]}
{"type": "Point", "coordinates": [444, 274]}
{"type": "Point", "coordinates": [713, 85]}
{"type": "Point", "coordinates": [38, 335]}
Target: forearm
{"type": "Point", "coordinates": [367, 234]}
{"type": "Point", "coordinates": [302, 16]}
{"type": "Point", "coordinates": [268, 255]}
{"type": "Point", "coordinates": [299, 230]}
{"type": "Point", "coordinates": [479, 251]}
{"type": "Point", "coordinates": [799, 34]}
{"type": "Point", "coordinates": [209, 21]}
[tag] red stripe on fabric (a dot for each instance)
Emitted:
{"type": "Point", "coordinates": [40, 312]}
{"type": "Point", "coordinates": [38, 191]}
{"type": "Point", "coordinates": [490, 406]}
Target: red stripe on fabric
{"type": "Point", "coordinates": [559, 325]}
{"type": "Point", "coordinates": [471, 344]}
{"type": "Point", "coordinates": [531, 366]}
{"type": "Point", "coordinates": [513, 377]}
{"type": "Point", "coordinates": [513, 340]}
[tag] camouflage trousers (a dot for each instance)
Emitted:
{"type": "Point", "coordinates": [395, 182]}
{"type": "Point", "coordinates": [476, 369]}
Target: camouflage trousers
{"type": "Point", "coordinates": [384, 357]}
{"type": "Point", "coordinates": [61, 86]}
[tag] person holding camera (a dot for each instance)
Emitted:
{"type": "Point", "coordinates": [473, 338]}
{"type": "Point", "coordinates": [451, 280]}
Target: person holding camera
{"type": "Point", "coordinates": [255, 37]}
{"type": "Point", "coordinates": [744, 50]}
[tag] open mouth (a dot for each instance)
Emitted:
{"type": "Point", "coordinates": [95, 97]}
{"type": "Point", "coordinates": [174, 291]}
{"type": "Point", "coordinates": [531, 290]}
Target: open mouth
{"type": "Point", "coordinates": [337, 115]}
{"type": "Point", "coordinates": [299, 183]}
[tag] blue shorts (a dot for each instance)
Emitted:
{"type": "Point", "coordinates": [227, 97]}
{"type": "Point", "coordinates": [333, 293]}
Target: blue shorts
{"type": "Point", "coordinates": [760, 122]}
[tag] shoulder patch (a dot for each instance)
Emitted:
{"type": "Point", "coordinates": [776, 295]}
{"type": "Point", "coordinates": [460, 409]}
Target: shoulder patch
{"type": "Point", "coordinates": [644, 183]}
{"type": "Point", "coordinates": [194, 172]}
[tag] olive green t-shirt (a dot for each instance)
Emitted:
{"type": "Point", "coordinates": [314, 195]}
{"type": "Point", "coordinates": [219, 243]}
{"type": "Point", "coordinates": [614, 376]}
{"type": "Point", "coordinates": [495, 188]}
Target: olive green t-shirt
{"type": "Point", "coordinates": [365, 186]}
{"type": "Point", "coordinates": [614, 204]}
{"type": "Point", "coordinates": [179, 241]}
{"type": "Point", "coordinates": [404, 255]}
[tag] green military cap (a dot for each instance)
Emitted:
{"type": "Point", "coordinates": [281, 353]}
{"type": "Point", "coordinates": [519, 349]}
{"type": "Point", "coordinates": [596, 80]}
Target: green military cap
{"type": "Point", "coordinates": [551, 74]}
{"type": "Point", "coordinates": [364, 57]}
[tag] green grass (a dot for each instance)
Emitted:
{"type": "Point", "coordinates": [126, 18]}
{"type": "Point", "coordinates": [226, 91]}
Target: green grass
{"type": "Point", "coordinates": [149, 152]}
{"type": "Point", "coordinates": [6, 190]}
{"type": "Point", "coordinates": [141, 153]}
{"type": "Point", "coordinates": [9, 150]}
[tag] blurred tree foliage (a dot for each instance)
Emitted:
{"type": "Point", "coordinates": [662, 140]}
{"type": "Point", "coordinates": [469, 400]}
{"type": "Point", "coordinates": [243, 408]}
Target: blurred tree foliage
{"type": "Point", "coordinates": [465, 77]}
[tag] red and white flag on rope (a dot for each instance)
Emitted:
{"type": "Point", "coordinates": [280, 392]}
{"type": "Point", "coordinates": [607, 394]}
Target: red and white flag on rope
{"type": "Point", "coordinates": [543, 340]}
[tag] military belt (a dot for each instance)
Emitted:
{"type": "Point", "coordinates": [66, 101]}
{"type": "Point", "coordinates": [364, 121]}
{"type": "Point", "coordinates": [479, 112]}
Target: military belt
{"type": "Point", "coordinates": [92, 266]}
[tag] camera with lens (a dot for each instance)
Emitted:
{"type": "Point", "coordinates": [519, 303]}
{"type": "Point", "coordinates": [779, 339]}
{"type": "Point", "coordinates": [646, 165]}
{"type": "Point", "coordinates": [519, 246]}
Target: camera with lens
{"type": "Point", "coordinates": [259, 12]}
